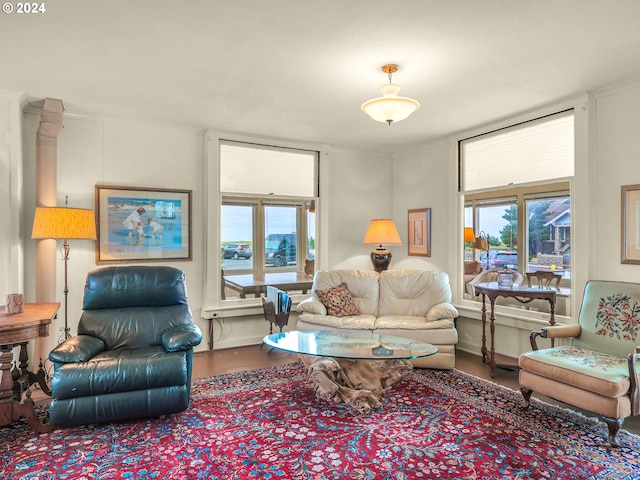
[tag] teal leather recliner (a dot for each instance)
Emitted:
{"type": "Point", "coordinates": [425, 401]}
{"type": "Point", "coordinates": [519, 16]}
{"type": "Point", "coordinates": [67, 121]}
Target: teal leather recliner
{"type": "Point", "coordinates": [133, 354]}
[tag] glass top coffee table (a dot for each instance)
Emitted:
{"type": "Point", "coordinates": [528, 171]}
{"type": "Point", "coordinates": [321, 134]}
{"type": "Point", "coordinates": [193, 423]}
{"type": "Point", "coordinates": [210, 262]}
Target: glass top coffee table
{"type": "Point", "coordinates": [354, 367]}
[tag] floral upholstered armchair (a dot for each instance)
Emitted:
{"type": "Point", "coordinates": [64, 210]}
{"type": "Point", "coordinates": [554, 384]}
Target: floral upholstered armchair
{"type": "Point", "coordinates": [600, 370]}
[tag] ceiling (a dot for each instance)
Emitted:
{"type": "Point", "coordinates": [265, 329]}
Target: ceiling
{"type": "Point", "coordinates": [300, 69]}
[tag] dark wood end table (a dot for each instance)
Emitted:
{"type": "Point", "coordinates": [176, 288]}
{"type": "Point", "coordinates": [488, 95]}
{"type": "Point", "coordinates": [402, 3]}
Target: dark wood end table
{"type": "Point", "coordinates": [522, 294]}
{"type": "Point", "coordinates": [17, 330]}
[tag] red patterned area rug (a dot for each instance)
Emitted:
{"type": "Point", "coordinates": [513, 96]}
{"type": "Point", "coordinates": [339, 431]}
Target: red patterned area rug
{"type": "Point", "coordinates": [268, 424]}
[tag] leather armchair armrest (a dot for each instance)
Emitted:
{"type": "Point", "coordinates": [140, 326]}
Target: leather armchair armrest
{"type": "Point", "coordinates": [182, 337]}
{"type": "Point", "coordinates": [77, 349]}
{"type": "Point", "coordinates": [310, 305]}
{"type": "Point", "coordinates": [555, 331]}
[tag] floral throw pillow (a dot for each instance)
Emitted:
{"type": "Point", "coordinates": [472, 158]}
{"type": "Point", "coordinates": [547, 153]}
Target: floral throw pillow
{"type": "Point", "coordinates": [338, 301]}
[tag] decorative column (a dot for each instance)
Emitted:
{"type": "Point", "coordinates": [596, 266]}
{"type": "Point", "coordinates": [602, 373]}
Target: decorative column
{"type": "Point", "coordinates": [46, 196]}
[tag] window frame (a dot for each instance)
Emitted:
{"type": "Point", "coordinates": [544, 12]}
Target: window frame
{"type": "Point", "coordinates": [212, 298]}
{"type": "Point", "coordinates": [301, 204]}
{"type": "Point", "coordinates": [520, 195]}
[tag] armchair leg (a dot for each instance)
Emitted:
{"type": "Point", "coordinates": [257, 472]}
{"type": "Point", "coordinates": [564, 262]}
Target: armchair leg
{"type": "Point", "coordinates": [526, 393]}
{"type": "Point", "coordinates": [614, 425]}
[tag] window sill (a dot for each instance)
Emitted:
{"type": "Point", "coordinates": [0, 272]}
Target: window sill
{"type": "Point", "coordinates": [242, 307]}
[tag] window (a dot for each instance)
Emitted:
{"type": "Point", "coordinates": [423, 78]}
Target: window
{"type": "Point", "coordinates": [546, 229]}
{"type": "Point", "coordinates": [548, 234]}
{"type": "Point", "coordinates": [267, 210]}
{"type": "Point", "coordinates": [516, 187]}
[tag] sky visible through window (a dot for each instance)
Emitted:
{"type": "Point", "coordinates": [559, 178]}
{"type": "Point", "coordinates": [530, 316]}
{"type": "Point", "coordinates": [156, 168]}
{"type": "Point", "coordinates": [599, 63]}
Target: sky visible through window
{"type": "Point", "coordinates": [237, 224]}
{"type": "Point", "coordinates": [491, 222]}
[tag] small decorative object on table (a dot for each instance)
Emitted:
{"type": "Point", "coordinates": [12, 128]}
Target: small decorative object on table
{"type": "Point", "coordinates": [505, 278]}
{"type": "Point", "coordinates": [14, 304]}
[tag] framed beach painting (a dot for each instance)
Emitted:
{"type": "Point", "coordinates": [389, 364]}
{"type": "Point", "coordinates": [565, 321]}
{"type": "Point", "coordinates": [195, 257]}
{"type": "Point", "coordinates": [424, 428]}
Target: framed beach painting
{"type": "Point", "coordinates": [420, 232]}
{"type": "Point", "coordinates": [630, 235]}
{"type": "Point", "coordinates": [137, 224]}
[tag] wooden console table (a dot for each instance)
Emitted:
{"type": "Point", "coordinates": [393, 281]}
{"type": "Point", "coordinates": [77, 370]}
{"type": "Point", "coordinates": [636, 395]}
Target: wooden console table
{"type": "Point", "coordinates": [522, 294]}
{"type": "Point", "coordinates": [17, 330]}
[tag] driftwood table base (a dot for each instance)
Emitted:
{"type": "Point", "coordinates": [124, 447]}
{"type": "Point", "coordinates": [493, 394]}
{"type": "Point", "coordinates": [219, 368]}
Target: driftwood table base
{"type": "Point", "coordinates": [361, 384]}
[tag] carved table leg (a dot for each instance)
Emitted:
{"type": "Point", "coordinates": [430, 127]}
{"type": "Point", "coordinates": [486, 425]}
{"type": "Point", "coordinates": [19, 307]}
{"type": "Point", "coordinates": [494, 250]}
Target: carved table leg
{"type": "Point", "coordinates": [492, 329]}
{"type": "Point", "coordinates": [483, 349]}
{"type": "Point", "coordinates": [361, 384]}
{"type": "Point", "coordinates": [10, 410]}
{"type": "Point", "coordinates": [6, 386]}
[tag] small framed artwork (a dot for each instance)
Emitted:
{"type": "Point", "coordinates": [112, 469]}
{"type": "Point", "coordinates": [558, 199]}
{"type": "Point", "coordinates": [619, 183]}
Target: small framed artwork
{"type": "Point", "coordinates": [136, 224]}
{"type": "Point", "coordinates": [630, 237]}
{"type": "Point", "coordinates": [420, 232]}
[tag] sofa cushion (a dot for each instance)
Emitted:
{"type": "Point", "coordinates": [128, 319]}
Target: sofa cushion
{"type": "Point", "coordinates": [338, 301]}
{"type": "Point", "coordinates": [356, 322]}
{"type": "Point", "coordinates": [604, 374]}
{"type": "Point", "coordinates": [412, 292]}
{"type": "Point", "coordinates": [133, 327]}
{"type": "Point", "coordinates": [121, 370]}
{"type": "Point", "coordinates": [411, 322]}
{"type": "Point", "coordinates": [441, 332]}
{"type": "Point", "coordinates": [362, 284]}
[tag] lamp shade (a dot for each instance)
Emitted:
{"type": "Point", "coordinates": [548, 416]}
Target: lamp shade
{"type": "Point", "coordinates": [480, 243]}
{"type": "Point", "coordinates": [469, 236]}
{"type": "Point", "coordinates": [64, 223]}
{"type": "Point", "coordinates": [390, 107]}
{"type": "Point", "coordinates": [382, 231]}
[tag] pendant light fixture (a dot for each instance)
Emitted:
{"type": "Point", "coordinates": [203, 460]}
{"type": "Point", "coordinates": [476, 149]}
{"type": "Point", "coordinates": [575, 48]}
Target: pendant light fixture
{"type": "Point", "coordinates": [390, 107]}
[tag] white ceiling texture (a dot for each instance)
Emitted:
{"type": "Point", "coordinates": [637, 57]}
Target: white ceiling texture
{"type": "Point", "coordinates": [300, 69]}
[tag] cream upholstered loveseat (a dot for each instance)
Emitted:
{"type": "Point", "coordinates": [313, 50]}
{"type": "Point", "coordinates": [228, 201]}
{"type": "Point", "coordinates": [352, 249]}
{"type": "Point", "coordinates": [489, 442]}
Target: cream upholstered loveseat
{"type": "Point", "coordinates": [413, 304]}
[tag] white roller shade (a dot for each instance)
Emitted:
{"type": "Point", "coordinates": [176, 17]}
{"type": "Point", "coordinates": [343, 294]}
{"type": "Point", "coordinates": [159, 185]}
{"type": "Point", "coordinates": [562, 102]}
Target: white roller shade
{"type": "Point", "coordinates": [262, 170]}
{"type": "Point", "coordinates": [535, 151]}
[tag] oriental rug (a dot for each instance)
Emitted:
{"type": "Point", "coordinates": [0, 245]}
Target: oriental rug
{"type": "Point", "coordinates": [267, 424]}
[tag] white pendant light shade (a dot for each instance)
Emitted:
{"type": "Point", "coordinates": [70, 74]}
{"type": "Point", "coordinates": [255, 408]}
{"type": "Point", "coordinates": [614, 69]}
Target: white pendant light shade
{"type": "Point", "coordinates": [390, 107]}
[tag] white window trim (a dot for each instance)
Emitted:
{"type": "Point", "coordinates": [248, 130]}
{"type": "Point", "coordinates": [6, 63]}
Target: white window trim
{"type": "Point", "coordinates": [582, 200]}
{"type": "Point", "coordinates": [212, 302]}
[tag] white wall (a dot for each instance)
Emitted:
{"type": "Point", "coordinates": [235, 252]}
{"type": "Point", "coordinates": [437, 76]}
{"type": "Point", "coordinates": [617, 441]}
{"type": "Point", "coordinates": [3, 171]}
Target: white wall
{"type": "Point", "coordinates": [11, 178]}
{"type": "Point", "coordinates": [421, 179]}
{"type": "Point", "coordinates": [607, 157]}
{"type": "Point", "coordinates": [617, 131]}
{"type": "Point", "coordinates": [114, 152]}
{"type": "Point", "coordinates": [355, 187]}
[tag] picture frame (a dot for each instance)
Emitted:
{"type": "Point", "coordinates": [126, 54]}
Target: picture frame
{"type": "Point", "coordinates": [419, 232]}
{"type": "Point", "coordinates": [139, 224]}
{"type": "Point", "coordinates": [630, 225]}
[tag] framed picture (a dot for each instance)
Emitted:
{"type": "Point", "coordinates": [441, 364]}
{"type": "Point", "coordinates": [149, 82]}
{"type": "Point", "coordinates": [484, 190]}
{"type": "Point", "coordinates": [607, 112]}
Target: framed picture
{"type": "Point", "coordinates": [420, 232]}
{"type": "Point", "coordinates": [630, 238]}
{"type": "Point", "coordinates": [136, 224]}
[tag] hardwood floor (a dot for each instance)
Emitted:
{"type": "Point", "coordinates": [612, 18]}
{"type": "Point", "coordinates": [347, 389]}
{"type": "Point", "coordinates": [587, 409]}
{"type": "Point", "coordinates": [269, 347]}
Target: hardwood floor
{"type": "Point", "coordinates": [231, 360]}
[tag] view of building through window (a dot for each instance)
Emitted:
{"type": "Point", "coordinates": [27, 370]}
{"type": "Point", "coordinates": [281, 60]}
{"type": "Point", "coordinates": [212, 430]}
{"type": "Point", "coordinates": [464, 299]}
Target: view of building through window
{"type": "Point", "coordinates": [278, 249]}
{"type": "Point", "coordinates": [546, 233]}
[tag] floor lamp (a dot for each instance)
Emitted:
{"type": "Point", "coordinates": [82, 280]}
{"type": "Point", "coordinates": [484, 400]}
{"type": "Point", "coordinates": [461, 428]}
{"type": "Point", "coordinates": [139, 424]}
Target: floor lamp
{"type": "Point", "coordinates": [482, 243]}
{"type": "Point", "coordinates": [66, 224]}
{"type": "Point", "coordinates": [381, 232]}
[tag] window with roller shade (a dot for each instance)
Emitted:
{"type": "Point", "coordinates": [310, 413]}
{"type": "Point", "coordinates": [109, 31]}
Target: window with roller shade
{"type": "Point", "coordinates": [268, 207]}
{"type": "Point", "coordinates": [516, 187]}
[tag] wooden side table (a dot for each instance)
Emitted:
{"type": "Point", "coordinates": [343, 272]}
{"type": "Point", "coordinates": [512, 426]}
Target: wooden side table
{"type": "Point", "coordinates": [17, 330]}
{"type": "Point", "coordinates": [522, 294]}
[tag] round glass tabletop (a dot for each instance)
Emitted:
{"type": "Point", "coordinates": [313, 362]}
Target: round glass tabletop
{"type": "Point", "coordinates": [350, 344]}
